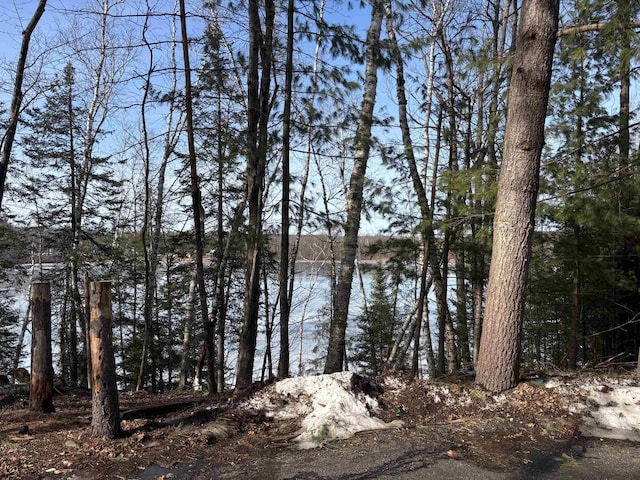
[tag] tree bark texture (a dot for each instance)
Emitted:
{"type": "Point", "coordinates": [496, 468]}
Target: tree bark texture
{"type": "Point", "coordinates": [336, 350]}
{"type": "Point", "coordinates": [499, 362]}
{"type": "Point", "coordinates": [87, 339]}
{"type": "Point", "coordinates": [41, 399]}
{"type": "Point", "coordinates": [105, 418]}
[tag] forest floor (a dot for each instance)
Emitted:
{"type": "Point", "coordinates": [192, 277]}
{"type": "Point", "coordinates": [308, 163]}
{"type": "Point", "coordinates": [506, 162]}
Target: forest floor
{"type": "Point", "coordinates": [444, 429]}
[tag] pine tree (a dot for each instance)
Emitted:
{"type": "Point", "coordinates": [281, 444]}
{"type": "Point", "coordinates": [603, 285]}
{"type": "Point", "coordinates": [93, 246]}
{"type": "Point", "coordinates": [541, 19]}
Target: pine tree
{"type": "Point", "coordinates": [377, 325]}
{"type": "Point", "coordinates": [66, 186]}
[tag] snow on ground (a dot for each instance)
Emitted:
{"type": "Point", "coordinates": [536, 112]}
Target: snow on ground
{"type": "Point", "coordinates": [331, 408]}
{"type": "Point", "coordinates": [610, 406]}
{"type": "Point", "coordinates": [610, 409]}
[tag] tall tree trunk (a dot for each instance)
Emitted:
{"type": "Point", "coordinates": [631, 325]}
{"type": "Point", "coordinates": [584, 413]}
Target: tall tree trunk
{"type": "Point", "coordinates": [149, 270]}
{"type": "Point", "coordinates": [499, 363]}
{"type": "Point", "coordinates": [76, 218]}
{"type": "Point", "coordinates": [64, 330]}
{"type": "Point", "coordinates": [454, 203]}
{"type": "Point", "coordinates": [285, 307]}
{"type": "Point", "coordinates": [337, 350]}
{"type": "Point", "coordinates": [500, 29]}
{"type": "Point", "coordinates": [258, 90]}
{"type": "Point", "coordinates": [16, 99]}
{"type": "Point", "coordinates": [477, 261]}
{"type": "Point", "coordinates": [198, 221]}
{"type": "Point", "coordinates": [219, 300]}
{"type": "Point", "coordinates": [153, 217]}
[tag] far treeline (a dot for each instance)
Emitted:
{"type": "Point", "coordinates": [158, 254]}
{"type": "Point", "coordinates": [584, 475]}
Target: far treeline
{"type": "Point", "coordinates": [194, 153]}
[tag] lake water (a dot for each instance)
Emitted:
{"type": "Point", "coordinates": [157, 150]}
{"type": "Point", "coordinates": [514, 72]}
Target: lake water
{"type": "Point", "coordinates": [308, 322]}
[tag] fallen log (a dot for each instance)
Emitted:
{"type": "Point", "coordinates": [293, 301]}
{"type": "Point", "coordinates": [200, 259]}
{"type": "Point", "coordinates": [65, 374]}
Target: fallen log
{"type": "Point", "coordinates": [158, 408]}
{"type": "Point", "coordinates": [16, 389]}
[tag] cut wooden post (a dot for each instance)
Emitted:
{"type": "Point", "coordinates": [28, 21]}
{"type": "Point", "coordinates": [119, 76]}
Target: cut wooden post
{"type": "Point", "coordinates": [105, 419]}
{"type": "Point", "coordinates": [41, 398]}
{"type": "Point", "coordinates": [87, 319]}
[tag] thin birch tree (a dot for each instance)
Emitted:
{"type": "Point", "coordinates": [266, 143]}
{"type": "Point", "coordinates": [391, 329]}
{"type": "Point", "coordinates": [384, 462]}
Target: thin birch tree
{"type": "Point", "coordinates": [336, 350]}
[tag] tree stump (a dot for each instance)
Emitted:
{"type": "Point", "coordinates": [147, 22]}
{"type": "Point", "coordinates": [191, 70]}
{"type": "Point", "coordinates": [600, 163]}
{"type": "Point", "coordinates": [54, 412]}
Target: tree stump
{"type": "Point", "coordinates": [105, 419]}
{"type": "Point", "coordinates": [41, 397]}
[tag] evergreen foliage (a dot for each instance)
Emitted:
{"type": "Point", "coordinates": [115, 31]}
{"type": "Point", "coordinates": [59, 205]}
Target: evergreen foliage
{"type": "Point", "coordinates": [9, 273]}
{"type": "Point", "coordinates": [585, 270]}
{"type": "Point", "coordinates": [377, 326]}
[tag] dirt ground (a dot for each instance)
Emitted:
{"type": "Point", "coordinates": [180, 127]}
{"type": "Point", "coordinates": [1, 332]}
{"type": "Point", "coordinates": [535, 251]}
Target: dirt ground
{"type": "Point", "coordinates": [451, 429]}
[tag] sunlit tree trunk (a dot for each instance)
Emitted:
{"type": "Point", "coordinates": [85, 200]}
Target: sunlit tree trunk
{"type": "Point", "coordinates": [337, 349]}
{"type": "Point", "coordinates": [499, 362]}
{"type": "Point", "coordinates": [105, 418]}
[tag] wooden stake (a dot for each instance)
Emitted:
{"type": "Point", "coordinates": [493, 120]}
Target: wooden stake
{"type": "Point", "coordinates": [105, 420]}
{"type": "Point", "coordinates": [87, 319]}
{"type": "Point", "coordinates": [41, 398]}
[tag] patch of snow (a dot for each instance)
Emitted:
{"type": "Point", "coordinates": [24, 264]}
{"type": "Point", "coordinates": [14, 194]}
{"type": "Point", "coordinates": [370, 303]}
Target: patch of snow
{"type": "Point", "coordinates": [613, 412]}
{"type": "Point", "coordinates": [609, 406]}
{"type": "Point", "coordinates": [330, 407]}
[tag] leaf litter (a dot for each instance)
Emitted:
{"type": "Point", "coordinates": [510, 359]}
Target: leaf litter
{"type": "Point", "coordinates": [306, 412]}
